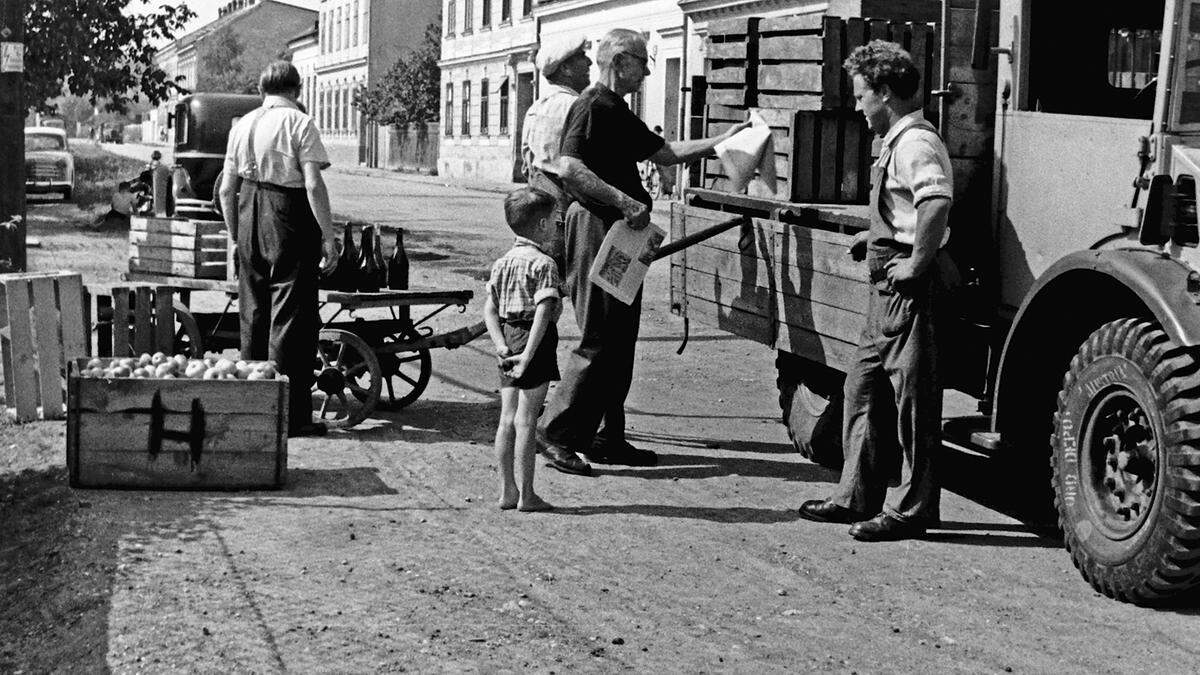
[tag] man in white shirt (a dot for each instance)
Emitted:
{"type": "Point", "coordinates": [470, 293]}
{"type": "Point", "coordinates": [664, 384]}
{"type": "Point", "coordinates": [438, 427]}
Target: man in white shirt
{"type": "Point", "coordinates": [896, 361]}
{"type": "Point", "coordinates": [275, 203]}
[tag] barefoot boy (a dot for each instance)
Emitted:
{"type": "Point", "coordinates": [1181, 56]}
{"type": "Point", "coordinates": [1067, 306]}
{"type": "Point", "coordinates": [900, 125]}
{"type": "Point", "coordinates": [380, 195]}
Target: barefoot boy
{"type": "Point", "coordinates": [521, 309]}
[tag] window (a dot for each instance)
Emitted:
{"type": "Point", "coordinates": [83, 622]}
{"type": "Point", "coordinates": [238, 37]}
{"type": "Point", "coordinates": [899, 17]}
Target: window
{"type": "Point", "coordinates": [354, 25]}
{"type": "Point", "coordinates": [448, 116]}
{"type": "Point", "coordinates": [346, 28]}
{"type": "Point", "coordinates": [526, 7]}
{"type": "Point", "coordinates": [466, 108]}
{"type": "Point", "coordinates": [450, 8]}
{"type": "Point", "coordinates": [484, 94]}
{"type": "Point", "coordinates": [468, 15]}
{"type": "Point", "coordinates": [504, 106]}
{"type": "Point", "coordinates": [505, 11]}
{"type": "Point", "coordinates": [486, 21]}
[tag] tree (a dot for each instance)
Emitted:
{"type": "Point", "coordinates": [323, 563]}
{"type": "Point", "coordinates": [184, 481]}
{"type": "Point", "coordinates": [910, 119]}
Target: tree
{"type": "Point", "coordinates": [102, 49]}
{"type": "Point", "coordinates": [221, 67]}
{"type": "Point", "coordinates": [408, 92]}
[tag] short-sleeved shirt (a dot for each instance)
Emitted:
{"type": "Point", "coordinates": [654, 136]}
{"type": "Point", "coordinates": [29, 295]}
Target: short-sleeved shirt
{"type": "Point", "coordinates": [284, 139]}
{"type": "Point", "coordinates": [918, 168]}
{"type": "Point", "coordinates": [541, 133]}
{"type": "Point", "coordinates": [122, 202]}
{"type": "Point", "coordinates": [603, 133]}
{"type": "Point", "coordinates": [521, 279]}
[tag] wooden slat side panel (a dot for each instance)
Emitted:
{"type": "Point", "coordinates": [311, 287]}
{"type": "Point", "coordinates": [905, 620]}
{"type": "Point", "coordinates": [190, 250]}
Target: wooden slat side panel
{"type": "Point", "coordinates": [744, 269]}
{"type": "Point", "coordinates": [164, 320]}
{"type": "Point", "coordinates": [732, 320]}
{"type": "Point", "coordinates": [790, 102]}
{"type": "Point", "coordinates": [217, 396]}
{"type": "Point", "coordinates": [177, 255]}
{"type": "Point", "coordinates": [175, 226]}
{"type": "Point", "coordinates": [834, 322]}
{"type": "Point", "coordinates": [213, 270]}
{"type": "Point", "coordinates": [120, 322]}
{"type": "Point", "coordinates": [791, 47]}
{"type": "Point", "coordinates": [729, 75]}
{"type": "Point", "coordinates": [48, 343]}
{"type": "Point", "coordinates": [73, 316]}
{"type": "Point", "coordinates": [729, 294]}
{"type": "Point", "coordinates": [791, 77]}
{"type": "Point", "coordinates": [223, 432]}
{"type": "Point", "coordinates": [815, 347]}
{"type": "Point", "coordinates": [181, 241]}
{"type": "Point", "coordinates": [172, 470]}
{"type": "Point", "coordinates": [143, 326]}
{"type": "Point", "coordinates": [799, 23]}
{"type": "Point", "coordinates": [24, 366]}
{"type": "Point", "coordinates": [727, 97]}
{"type": "Point", "coordinates": [725, 50]}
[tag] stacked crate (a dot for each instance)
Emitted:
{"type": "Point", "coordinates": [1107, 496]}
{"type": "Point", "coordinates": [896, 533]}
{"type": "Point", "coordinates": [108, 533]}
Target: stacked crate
{"type": "Point", "coordinates": [793, 76]}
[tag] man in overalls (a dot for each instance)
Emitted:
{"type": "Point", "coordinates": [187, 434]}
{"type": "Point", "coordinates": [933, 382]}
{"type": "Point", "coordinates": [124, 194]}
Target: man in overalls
{"type": "Point", "coordinates": [896, 360]}
{"type": "Point", "coordinates": [276, 206]}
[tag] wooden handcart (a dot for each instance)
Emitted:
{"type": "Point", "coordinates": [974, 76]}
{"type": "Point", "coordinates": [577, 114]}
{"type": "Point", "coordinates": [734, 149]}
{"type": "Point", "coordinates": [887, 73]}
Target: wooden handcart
{"type": "Point", "coordinates": [358, 359]}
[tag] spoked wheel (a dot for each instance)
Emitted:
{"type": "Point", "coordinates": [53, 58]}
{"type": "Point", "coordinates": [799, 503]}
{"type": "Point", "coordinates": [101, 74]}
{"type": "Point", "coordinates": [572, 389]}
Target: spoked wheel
{"type": "Point", "coordinates": [406, 374]}
{"type": "Point", "coordinates": [348, 379]}
{"type": "Point", "coordinates": [188, 340]}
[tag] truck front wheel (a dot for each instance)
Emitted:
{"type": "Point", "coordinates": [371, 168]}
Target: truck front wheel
{"type": "Point", "coordinates": [1126, 462]}
{"type": "Point", "coordinates": [810, 399]}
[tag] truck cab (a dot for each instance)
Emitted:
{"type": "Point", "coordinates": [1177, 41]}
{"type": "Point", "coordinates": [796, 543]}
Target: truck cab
{"type": "Point", "coordinates": [201, 124]}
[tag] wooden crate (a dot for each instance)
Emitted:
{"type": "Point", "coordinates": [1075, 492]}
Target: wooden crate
{"type": "Point", "coordinates": [154, 316]}
{"type": "Point", "coordinates": [42, 320]}
{"type": "Point", "coordinates": [178, 247]}
{"type": "Point", "coordinates": [781, 123]}
{"type": "Point", "coordinates": [831, 157]}
{"type": "Point", "coordinates": [730, 61]}
{"type": "Point", "coordinates": [175, 434]}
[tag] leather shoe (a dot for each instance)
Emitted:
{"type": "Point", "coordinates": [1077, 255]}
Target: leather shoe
{"type": "Point", "coordinates": [620, 452]}
{"type": "Point", "coordinates": [564, 460]}
{"type": "Point", "coordinates": [825, 511]}
{"type": "Point", "coordinates": [886, 528]}
{"type": "Point", "coordinates": [310, 429]}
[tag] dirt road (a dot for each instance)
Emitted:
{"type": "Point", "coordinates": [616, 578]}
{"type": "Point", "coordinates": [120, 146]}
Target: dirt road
{"type": "Point", "coordinates": [385, 552]}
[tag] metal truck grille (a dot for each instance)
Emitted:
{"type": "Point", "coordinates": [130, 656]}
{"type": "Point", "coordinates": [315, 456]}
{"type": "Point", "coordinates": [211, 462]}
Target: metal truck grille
{"type": "Point", "coordinates": [43, 171]}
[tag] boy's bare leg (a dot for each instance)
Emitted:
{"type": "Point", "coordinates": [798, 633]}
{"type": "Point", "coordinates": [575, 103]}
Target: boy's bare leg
{"type": "Point", "coordinates": [529, 406]}
{"type": "Point", "coordinates": [504, 447]}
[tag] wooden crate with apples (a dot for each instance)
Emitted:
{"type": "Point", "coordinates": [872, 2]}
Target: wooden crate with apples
{"type": "Point", "coordinates": [161, 429]}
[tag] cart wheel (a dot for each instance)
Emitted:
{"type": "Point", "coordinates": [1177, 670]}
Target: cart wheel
{"type": "Point", "coordinates": [188, 340]}
{"type": "Point", "coordinates": [406, 374]}
{"type": "Point", "coordinates": [348, 379]}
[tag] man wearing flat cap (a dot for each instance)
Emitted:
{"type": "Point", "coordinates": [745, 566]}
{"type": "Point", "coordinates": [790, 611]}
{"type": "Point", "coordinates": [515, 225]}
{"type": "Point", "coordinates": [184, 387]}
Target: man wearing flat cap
{"type": "Point", "coordinates": [602, 142]}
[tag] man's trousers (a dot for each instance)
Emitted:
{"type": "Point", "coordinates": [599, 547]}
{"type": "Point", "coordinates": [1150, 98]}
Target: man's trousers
{"type": "Point", "coordinates": [279, 250]}
{"type": "Point", "coordinates": [599, 371]}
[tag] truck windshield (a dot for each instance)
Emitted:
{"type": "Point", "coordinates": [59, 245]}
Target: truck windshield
{"type": "Point", "coordinates": [35, 142]}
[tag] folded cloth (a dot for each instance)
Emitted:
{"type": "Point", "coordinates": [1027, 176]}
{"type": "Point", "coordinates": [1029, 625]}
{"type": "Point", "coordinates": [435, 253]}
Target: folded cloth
{"type": "Point", "coordinates": [747, 151]}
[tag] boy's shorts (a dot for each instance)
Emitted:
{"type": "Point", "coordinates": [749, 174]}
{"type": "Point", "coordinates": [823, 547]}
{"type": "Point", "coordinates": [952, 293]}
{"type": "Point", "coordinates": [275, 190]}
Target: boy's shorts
{"type": "Point", "coordinates": [543, 367]}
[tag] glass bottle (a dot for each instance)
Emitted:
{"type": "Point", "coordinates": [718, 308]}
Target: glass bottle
{"type": "Point", "coordinates": [397, 273]}
{"type": "Point", "coordinates": [369, 272]}
{"type": "Point", "coordinates": [346, 274]}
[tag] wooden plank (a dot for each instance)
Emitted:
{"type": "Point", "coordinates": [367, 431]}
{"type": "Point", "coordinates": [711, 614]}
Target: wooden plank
{"type": "Point", "coordinates": [72, 316]}
{"type": "Point", "coordinates": [833, 45]}
{"type": "Point", "coordinates": [177, 255]}
{"type": "Point", "coordinates": [6, 356]}
{"type": "Point", "coordinates": [104, 329]}
{"type": "Point", "coordinates": [732, 320]}
{"type": "Point", "coordinates": [48, 344]}
{"type": "Point", "coordinates": [223, 432]}
{"type": "Point", "coordinates": [218, 396]}
{"type": "Point", "coordinates": [790, 77]}
{"type": "Point", "coordinates": [798, 23]}
{"type": "Point", "coordinates": [830, 142]}
{"type": "Point", "coordinates": [184, 241]}
{"type": "Point", "coordinates": [920, 52]}
{"type": "Point", "coordinates": [164, 320]}
{"type": "Point", "coordinates": [143, 322]}
{"type": "Point", "coordinates": [814, 346]}
{"type": "Point", "coordinates": [790, 102]}
{"type": "Point", "coordinates": [849, 295]}
{"type": "Point", "coordinates": [728, 293]}
{"type": "Point", "coordinates": [827, 320]}
{"type": "Point", "coordinates": [203, 271]}
{"type": "Point", "coordinates": [727, 27]}
{"type": "Point", "coordinates": [725, 50]}
{"type": "Point", "coordinates": [120, 320]}
{"type": "Point", "coordinates": [172, 470]}
{"type": "Point", "coordinates": [852, 165]}
{"type": "Point", "coordinates": [730, 75]}
{"type": "Point", "coordinates": [728, 97]}
{"type": "Point", "coordinates": [792, 47]}
{"type": "Point", "coordinates": [24, 366]}
{"type": "Point", "coordinates": [726, 113]}
{"type": "Point", "coordinates": [777, 118]}
{"type": "Point", "coordinates": [176, 226]}
{"type": "Point", "coordinates": [879, 29]}
{"type": "Point", "coordinates": [804, 158]}
{"type": "Point", "coordinates": [739, 268]}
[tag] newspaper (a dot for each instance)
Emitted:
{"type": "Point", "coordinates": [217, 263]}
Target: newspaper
{"type": "Point", "coordinates": [623, 258]}
{"type": "Point", "coordinates": [746, 151]}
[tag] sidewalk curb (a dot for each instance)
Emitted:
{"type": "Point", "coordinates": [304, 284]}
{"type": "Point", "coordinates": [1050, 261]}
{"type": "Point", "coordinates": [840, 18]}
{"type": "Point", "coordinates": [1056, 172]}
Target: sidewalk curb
{"type": "Point", "coordinates": [424, 179]}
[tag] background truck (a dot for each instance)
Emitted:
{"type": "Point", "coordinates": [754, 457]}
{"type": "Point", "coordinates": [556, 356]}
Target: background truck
{"type": "Point", "coordinates": [1074, 132]}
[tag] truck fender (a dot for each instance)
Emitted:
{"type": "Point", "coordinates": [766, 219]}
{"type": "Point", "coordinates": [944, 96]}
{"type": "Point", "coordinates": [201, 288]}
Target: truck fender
{"type": "Point", "coordinates": [1075, 296]}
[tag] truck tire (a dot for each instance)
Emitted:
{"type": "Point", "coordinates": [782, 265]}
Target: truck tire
{"type": "Point", "coordinates": [1126, 463]}
{"type": "Point", "coordinates": [812, 413]}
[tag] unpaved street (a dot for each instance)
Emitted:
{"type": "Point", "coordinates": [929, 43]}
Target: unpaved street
{"type": "Point", "coordinates": [385, 552]}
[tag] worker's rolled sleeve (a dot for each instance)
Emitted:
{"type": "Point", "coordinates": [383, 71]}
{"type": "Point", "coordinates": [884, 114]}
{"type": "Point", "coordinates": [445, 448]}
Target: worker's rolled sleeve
{"type": "Point", "coordinates": [923, 164]}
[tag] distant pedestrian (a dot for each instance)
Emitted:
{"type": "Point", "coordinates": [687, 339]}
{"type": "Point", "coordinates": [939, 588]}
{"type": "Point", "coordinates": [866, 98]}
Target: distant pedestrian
{"type": "Point", "coordinates": [276, 205]}
{"type": "Point", "coordinates": [522, 306]}
{"type": "Point", "coordinates": [121, 207]}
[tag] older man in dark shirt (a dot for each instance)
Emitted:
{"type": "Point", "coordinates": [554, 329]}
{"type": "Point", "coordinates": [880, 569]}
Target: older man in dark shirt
{"type": "Point", "coordinates": [602, 143]}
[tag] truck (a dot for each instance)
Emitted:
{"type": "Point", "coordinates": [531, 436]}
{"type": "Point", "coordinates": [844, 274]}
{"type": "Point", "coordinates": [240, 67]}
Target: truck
{"type": "Point", "coordinates": [1074, 132]}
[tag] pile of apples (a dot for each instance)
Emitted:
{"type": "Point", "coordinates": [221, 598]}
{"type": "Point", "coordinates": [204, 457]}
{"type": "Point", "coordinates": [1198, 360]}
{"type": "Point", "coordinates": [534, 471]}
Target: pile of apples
{"type": "Point", "coordinates": [163, 367]}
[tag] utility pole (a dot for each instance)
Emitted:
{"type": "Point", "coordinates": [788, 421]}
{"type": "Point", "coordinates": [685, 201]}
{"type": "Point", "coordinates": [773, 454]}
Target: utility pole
{"type": "Point", "coordinates": [12, 135]}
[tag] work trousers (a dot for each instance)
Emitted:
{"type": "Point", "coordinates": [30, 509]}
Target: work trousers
{"type": "Point", "coordinates": [279, 251]}
{"type": "Point", "coordinates": [552, 185]}
{"type": "Point", "coordinates": [895, 365]}
{"type": "Point", "coordinates": [599, 371]}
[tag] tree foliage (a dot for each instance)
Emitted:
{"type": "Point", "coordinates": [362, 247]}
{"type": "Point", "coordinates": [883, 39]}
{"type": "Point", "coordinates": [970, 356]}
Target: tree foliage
{"type": "Point", "coordinates": [102, 49]}
{"type": "Point", "coordinates": [408, 92]}
{"type": "Point", "coordinates": [221, 67]}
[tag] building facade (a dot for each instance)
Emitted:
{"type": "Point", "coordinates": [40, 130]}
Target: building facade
{"type": "Point", "coordinates": [488, 82]}
{"type": "Point", "coordinates": [262, 28]}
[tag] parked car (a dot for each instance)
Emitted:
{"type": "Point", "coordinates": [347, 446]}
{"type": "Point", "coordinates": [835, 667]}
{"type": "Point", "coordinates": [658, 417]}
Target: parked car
{"type": "Point", "coordinates": [49, 165]}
